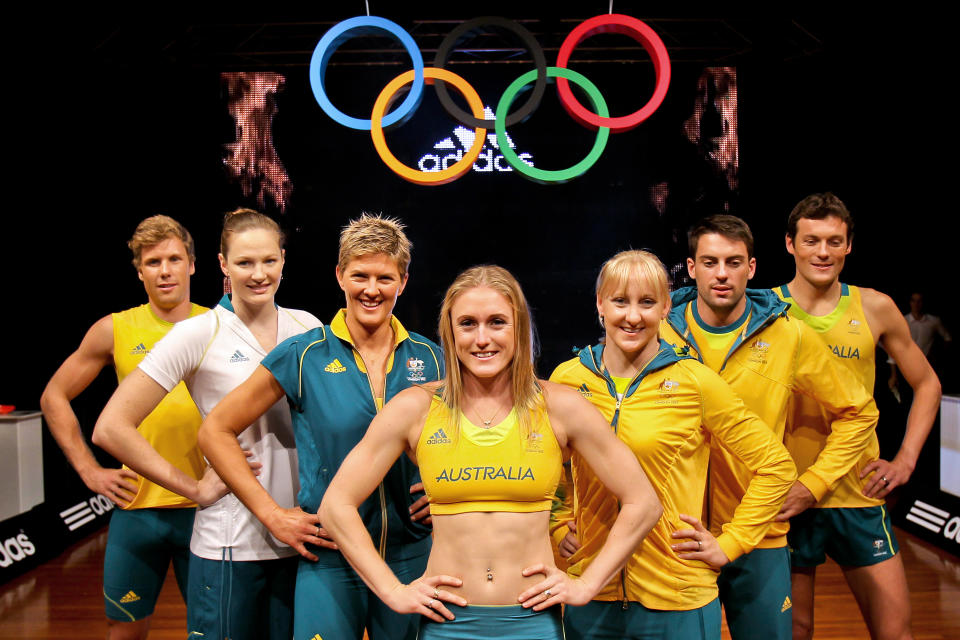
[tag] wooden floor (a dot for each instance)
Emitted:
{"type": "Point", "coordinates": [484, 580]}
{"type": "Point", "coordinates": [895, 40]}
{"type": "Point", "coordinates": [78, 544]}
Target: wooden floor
{"type": "Point", "coordinates": [63, 599]}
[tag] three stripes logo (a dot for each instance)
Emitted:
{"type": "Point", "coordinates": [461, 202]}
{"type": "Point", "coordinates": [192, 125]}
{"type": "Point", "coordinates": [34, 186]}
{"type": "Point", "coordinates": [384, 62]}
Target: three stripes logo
{"type": "Point", "coordinates": [139, 350]}
{"type": "Point", "coordinates": [927, 516]}
{"type": "Point", "coordinates": [239, 357]}
{"type": "Point", "coordinates": [935, 519]}
{"type": "Point", "coordinates": [586, 393]}
{"type": "Point", "coordinates": [84, 512]}
{"type": "Point", "coordinates": [438, 437]}
{"type": "Point", "coordinates": [450, 150]}
{"type": "Point", "coordinates": [130, 597]}
{"type": "Point", "coordinates": [335, 367]}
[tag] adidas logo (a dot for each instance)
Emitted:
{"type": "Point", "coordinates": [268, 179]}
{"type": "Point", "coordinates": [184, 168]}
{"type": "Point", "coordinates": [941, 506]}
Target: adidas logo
{"type": "Point", "coordinates": [139, 350]}
{"type": "Point", "coordinates": [316, 637]}
{"type": "Point", "coordinates": [786, 604]}
{"type": "Point", "coordinates": [130, 597]}
{"type": "Point", "coordinates": [450, 151]}
{"type": "Point", "coordinates": [438, 437]}
{"type": "Point", "coordinates": [239, 357]}
{"type": "Point", "coordinates": [84, 512]}
{"type": "Point", "coordinates": [335, 367]}
{"type": "Point", "coordinates": [586, 393]}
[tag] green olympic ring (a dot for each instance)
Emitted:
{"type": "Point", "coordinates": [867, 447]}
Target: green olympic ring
{"type": "Point", "coordinates": [545, 176]}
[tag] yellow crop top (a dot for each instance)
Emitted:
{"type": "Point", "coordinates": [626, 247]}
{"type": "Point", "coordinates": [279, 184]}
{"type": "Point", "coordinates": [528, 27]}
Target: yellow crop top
{"type": "Point", "coordinates": [494, 469]}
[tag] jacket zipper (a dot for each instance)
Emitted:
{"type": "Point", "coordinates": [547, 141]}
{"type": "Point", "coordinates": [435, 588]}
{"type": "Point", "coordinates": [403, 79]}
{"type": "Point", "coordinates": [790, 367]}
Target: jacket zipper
{"type": "Point", "coordinates": [382, 492]}
{"type": "Point", "coordinates": [623, 572]}
{"type": "Point", "coordinates": [615, 423]}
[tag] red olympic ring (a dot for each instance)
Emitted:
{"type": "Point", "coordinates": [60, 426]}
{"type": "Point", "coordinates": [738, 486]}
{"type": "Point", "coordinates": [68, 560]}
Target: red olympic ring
{"type": "Point", "coordinates": [639, 31]}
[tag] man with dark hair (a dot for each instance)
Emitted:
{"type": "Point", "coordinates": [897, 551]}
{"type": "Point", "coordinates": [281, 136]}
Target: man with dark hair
{"type": "Point", "coordinates": [848, 520]}
{"type": "Point", "coordinates": [767, 359]}
{"type": "Point", "coordinates": [153, 525]}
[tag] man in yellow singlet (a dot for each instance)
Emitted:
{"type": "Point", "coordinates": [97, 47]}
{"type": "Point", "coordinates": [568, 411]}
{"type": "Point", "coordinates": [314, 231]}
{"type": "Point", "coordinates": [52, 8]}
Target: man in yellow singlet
{"type": "Point", "coordinates": [153, 525]}
{"type": "Point", "coordinates": [849, 521]}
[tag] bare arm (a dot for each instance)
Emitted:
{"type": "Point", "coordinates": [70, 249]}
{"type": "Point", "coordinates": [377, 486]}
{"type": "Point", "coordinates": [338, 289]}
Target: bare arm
{"type": "Point", "coordinates": [116, 431]}
{"type": "Point", "coordinates": [389, 435]}
{"type": "Point", "coordinates": [74, 375]}
{"type": "Point", "coordinates": [579, 425]}
{"type": "Point", "coordinates": [218, 442]}
{"type": "Point", "coordinates": [894, 335]}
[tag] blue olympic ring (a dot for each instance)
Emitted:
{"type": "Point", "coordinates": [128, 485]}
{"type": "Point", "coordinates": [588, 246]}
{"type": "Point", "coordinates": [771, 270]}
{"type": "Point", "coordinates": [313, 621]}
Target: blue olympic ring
{"type": "Point", "coordinates": [361, 26]}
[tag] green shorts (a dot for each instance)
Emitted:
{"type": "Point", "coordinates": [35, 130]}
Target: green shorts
{"type": "Point", "coordinates": [511, 622]}
{"type": "Point", "coordinates": [853, 537]}
{"type": "Point", "coordinates": [140, 546]}
{"type": "Point", "coordinates": [755, 593]}
{"type": "Point", "coordinates": [241, 600]}
{"type": "Point", "coordinates": [332, 602]}
{"type": "Point", "coordinates": [598, 620]}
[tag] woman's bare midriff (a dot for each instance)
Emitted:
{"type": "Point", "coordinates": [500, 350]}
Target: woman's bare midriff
{"type": "Point", "coordinates": [488, 551]}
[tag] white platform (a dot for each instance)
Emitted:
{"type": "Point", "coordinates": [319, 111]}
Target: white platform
{"type": "Point", "coordinates": [950, 445]}
{"type": "Point", "coordinates": [21, 462]}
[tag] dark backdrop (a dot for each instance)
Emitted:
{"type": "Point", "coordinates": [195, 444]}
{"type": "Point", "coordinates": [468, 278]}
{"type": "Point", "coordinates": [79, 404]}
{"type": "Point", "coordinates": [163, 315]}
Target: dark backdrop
{"type": "Point", "coordinates": [107, 135]}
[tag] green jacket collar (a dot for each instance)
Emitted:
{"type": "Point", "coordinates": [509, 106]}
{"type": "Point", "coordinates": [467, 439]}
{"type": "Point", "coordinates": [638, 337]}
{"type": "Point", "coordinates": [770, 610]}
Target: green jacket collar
{"type": "Point", "coordinates": [592, 359]}
{"type": "Point", "coordinates": [766, 307]}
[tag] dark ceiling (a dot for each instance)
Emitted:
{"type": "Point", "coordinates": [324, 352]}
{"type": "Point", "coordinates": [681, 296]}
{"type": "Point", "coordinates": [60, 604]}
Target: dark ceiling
{"type": "Point", "coordinates": [278, 44]}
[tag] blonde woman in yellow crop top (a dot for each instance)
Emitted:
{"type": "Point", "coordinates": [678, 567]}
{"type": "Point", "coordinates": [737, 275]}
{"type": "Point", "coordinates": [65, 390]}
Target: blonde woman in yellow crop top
{"type": "Point", "coordinates": [489, 440]}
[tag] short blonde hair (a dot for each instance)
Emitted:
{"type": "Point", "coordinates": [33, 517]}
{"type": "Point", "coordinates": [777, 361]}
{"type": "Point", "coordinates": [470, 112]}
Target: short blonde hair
{"type": "Point", "coordinates": [372, 234]}
{"type": "Point", "coordinates": [526, 389]}
{"type": "Point", "coordinates": [154, 230]}
{"type": "Point", "coordinates": [642, 265]}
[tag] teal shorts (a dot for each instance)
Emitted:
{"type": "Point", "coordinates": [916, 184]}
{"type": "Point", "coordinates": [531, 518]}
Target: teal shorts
{"type": "Point", "coordinates": [141, 543]}
{"type": "Point", "coordinates": [332, 602]}
{"type": "Point", "coordinates": [598, 620]}
{"type": "Point", "coordinates": [245, 600]}
{"type": "Point", "coordinates": [503, 623]}
{"type": "Point", "coordinates": [755, 593]}
{"type": "Point", "coordinates": [854, 537]}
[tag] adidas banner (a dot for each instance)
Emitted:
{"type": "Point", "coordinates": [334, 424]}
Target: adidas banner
{"type": "Point", "coordinates": [931, 515]}
{"type": "Point", "coordinates": [31, 538]}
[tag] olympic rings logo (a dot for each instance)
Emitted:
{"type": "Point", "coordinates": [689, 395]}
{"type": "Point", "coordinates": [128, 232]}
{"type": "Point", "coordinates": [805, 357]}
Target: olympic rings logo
{"type": "Point", "coordinates": [598, 118]}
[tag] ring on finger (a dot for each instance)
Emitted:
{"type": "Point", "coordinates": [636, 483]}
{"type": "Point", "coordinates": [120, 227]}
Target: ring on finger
{"type": "Point", "coordinates": [430, 604]}
{"type": "Point", "coordinates": [547, 593]}
{"type": "Point", "coordinates": [699, 546]}
{"type": "Point", "coordinates": [436, 594]}
{"type": "Point", "coordinates": [884, 478]}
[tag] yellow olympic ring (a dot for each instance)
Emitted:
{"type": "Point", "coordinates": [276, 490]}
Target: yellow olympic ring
{"type": "Point", "coordinates": [385, 99]}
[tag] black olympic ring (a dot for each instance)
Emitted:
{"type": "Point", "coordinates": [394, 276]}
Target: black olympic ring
{"type": "Point", "coordinates": [463, 33]}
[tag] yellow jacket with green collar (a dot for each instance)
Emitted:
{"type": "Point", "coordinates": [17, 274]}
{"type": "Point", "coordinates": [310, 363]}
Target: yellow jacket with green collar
{"type": "Point", "coordinates": [775, 363]}
{"type": "Point", "coordinates": [670, 409]}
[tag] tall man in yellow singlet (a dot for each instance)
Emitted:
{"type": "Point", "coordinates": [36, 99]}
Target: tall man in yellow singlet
{"type": "Point", "coordinates": [850, 522]}
{"type": "Point", "coordinates": [154, 525]}
{"type": "Point", "coordinates": [768, 359]}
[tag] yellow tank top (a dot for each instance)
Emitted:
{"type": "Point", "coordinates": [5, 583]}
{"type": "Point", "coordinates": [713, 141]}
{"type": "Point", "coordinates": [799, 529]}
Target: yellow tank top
{"type": "Point", "coordinates": [849, 339]}
{"type": "Point", "coordinates": [496, 469]}
{"type": "Point", "coordinates": [172, 427]}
